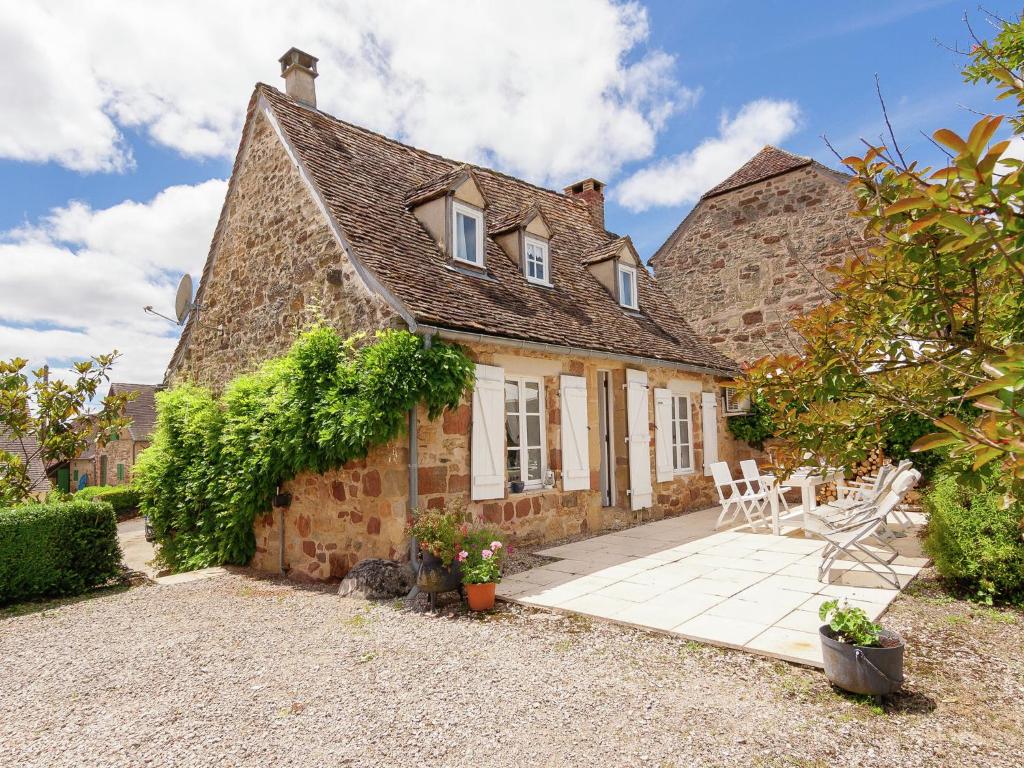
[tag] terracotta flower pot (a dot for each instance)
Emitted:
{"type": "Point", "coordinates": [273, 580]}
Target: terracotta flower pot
{"type": "Point", "coordinates": [480, 596]}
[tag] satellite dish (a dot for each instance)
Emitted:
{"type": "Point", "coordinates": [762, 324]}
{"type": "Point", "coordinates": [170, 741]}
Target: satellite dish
{"type": "Point", "coordinates": [183, 299]}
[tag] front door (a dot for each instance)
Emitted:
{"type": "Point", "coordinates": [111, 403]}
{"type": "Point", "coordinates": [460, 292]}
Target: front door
{"type": "Point", "coordinates": [604, 420]}
{"type": "Point", "coordinates": [709, 426]}
{"type": "Point", "coordinates": [103, 470]}
{"type": "Point", "coordinates": [63, 479]}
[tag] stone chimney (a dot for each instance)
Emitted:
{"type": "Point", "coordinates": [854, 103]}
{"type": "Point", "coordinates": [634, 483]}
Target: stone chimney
{"type": "Point", "coordinates": [298, 69]}
{"type": "Point", "coordinates": [591, 192]}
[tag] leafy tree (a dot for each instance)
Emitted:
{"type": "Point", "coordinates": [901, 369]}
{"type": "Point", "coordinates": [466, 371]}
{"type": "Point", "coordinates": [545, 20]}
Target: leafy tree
{"type": "Point", "coordinates": [930, 321]}
{"type": "Point", "coordinates": [50, 418]}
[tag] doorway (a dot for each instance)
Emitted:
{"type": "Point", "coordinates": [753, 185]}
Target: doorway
{"type": "Point", "coordinates": [605, 421]}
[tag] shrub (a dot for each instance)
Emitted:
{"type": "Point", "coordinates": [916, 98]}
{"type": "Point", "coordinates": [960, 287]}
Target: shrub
{"type": "Point", "coordinates": [216, 463]}
{"type": "Point", "coordinates": [974, 537]}
{"type": "Point", "coordinates": [123, 498]}
{"type": "Point", "coordinates": [48, 550]}
{"type": "Point", "coordinates": [754, 427]}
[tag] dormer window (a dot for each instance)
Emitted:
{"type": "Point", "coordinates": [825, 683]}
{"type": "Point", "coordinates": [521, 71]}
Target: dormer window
{"type": "Point", "coordinates": [467, 234]}
{"type": "Point", "coordinates": [538, 269]}
{"type": "Point", "coordinates": [627, 287]}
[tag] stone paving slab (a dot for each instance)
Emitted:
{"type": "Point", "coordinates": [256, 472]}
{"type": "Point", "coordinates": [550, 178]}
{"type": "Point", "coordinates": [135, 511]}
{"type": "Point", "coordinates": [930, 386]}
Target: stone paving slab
{"type": "Point", "coordinates": [734, 588]}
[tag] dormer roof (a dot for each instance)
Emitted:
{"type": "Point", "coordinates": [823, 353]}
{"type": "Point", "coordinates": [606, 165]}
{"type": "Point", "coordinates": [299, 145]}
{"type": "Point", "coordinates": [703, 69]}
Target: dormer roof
{"type": "Point", "coordinates": [612, 250]}
{"type": "Point", "coordinates": [440, 185]}
{"type": "Point", "coordinates": [519, 219]}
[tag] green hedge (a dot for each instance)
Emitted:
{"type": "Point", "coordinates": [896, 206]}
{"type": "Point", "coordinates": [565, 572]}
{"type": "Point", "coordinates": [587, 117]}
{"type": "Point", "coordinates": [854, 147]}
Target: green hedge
{"type": "Point", "coordinates": [975, 540]}
{"type": "Point", "coordinates": [48, 550]}
{"type": "Point", "coordinates": [123, 498]}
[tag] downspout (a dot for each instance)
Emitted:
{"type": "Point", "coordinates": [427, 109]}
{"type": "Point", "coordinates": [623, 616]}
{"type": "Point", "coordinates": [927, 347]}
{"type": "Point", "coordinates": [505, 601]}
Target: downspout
{"type": "Point", "coordinates": [414, 447]}
{"type": "Point", "coordinates": [282, 564]}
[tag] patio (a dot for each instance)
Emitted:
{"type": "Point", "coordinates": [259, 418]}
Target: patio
{"type": "Point", "coordinates": [734, 588]}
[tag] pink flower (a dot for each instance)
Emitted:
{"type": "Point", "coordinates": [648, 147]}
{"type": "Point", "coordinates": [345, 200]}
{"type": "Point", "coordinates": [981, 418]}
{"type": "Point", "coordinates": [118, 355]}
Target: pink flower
{"type": "Point", "coordinates": [495, 545]}
{"type": "Point", "coordinates": [486, 554]}
{"type": "Point", "coordinates": [463, 555]}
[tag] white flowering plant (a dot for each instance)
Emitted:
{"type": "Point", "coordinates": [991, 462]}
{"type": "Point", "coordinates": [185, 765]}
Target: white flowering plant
{"type": "Point", "coordinates": [481, 556]}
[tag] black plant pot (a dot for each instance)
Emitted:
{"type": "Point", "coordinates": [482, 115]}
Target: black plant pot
{"type": "Point", "coordinates": [517, 486]}
{"type": "Point", "coordinates": [434, 576]}
{"type": "Point", "coordinates": [861, 669]}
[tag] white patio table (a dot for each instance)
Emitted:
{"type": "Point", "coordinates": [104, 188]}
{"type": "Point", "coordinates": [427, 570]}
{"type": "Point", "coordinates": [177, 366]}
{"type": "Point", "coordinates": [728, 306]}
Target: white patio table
{"type": "Point", "coordinates": [807, 479]}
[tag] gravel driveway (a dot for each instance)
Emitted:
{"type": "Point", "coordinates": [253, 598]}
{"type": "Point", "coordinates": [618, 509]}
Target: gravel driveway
{"type": "Point", "coordinates": [236, 671]}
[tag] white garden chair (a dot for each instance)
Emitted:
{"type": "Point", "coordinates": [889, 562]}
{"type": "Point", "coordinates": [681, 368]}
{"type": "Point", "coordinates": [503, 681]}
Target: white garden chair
{"type": "Point", "coordinates": [850, 535]}
{"type": "Point", "coordinates": [735, 499]}
{"type": "Point", "coordinates": [857, 493]}
{"type": "Point", "coordinates": [756, 481]}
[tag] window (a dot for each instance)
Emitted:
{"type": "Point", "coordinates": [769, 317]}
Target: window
{"type": "Point", "coordinates": [627, 286]}
{"type": "Point", "coordinates": [537, 269]}
{"type": "Point", "coordinates": [468, 237]}
{"type": "Point", "coordinates": [682, 444]}
{"type": "Point", "coordinates": [120, 473]}
{"type": "Point", "coordinates": [524, 430]}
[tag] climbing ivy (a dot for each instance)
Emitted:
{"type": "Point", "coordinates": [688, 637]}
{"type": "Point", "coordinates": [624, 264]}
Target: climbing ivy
{"type": "Point", "coordinates": [755, 426]}
{"type": "Point", "coordinates": [216, 462]}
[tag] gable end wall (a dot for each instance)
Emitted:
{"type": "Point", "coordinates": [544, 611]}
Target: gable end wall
{"type": "Point", "coordinates": [277, 266]}
{"type": "Point", "coordinates": [752, 259]}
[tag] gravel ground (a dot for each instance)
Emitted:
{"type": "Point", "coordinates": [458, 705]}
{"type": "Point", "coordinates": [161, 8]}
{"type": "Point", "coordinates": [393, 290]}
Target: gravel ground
{"type": "Point", "coordinates": [238, 671]}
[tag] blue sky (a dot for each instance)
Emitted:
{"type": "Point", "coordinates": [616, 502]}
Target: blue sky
{"type": "Point", "coordinates": [113, 159]}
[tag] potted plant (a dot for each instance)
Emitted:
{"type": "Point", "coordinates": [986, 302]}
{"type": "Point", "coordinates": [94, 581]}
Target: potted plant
{"type": "Point", "coordinates": [860, 656]}
{"type": "Point", "coordinates": [437, 536]}
{"type": "Point", "coordinates": [480, 560]}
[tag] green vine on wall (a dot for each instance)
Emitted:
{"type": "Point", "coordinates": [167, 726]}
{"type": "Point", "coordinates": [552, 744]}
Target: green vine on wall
{"type": "Point", "coordinates": [216, 462]}
{"type": "Point", "coordinates": [755, 426]}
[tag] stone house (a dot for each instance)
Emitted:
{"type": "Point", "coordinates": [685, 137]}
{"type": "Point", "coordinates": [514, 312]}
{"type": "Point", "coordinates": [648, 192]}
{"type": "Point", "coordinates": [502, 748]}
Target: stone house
{"type": "Point", "coordinates": [594, 401]}
{"type": "Point", "coordinates": [111, 464]}
{"type": "Point", "coordinates": [755, 250]}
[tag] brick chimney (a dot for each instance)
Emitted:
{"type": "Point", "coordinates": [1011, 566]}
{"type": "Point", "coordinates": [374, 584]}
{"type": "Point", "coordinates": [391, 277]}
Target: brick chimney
{"type": "Point", "coordinates": [298, 69]}
{"type": "Point", "coordinates": [591, 192]}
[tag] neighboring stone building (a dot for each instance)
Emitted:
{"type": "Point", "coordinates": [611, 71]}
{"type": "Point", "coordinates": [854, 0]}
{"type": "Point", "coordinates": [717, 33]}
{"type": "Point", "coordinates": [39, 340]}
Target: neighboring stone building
{"type": "Point", "coordinates": [112, 463]}
{"type": "Point", "coordinates": [754, 252]}
{"type": "Point", "coordinates": [590, 390]}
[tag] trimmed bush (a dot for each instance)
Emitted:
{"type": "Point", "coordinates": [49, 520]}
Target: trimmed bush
{"type": "Point", "coordinates": [123, 498]}
{"type": "Point", "coordinates": [49, 550]}
{"type": "Point", "coordinates": [975, 540]}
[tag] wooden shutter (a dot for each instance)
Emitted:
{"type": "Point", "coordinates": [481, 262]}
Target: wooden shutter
{"type": "Point", "coordinates": [709, 427]}
{"type": "Point", "coordinates": [575, 437]}
{"type": "Point", "coordinates": [638, 427]}
{"type": "Point", "coordinates": [487, 463]}
{"type": "Point", "coordinates": [663, 464]}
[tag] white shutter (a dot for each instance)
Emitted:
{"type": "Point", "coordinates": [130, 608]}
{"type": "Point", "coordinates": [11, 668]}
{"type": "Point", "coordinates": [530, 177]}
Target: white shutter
{"type": "Point", "coordinates": [663, 435]}
{"type": "Point", "coordinates": [488, 441]}
{"type": "Point", "coordinates": [709, 426]}
{"type": "Point", "coordinates": [575, 438]}
{"type": "Point", "coordinates": [638, 427]}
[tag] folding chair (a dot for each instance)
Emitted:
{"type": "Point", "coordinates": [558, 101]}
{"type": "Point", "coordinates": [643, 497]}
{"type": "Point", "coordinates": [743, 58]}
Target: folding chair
{"type": "Point", "coordinates": [755, 480]}
{"type": "Point", "coordinates": [735, 499]}
{"type": "Point", "coordinates": [850, 535]}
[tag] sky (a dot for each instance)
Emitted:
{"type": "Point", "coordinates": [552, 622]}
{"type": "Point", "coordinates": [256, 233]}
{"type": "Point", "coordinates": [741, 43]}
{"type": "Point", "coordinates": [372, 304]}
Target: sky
{"type": "Point", "coordinates": [121, 120]}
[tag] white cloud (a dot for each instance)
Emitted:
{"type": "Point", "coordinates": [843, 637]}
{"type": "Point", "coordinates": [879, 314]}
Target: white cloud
{"type": "Point", "coordinates": [550, 91]}
{"type": "Point", "coordinates": [75, 282]}
{"type": "Point", "coordinates": [686, 176]}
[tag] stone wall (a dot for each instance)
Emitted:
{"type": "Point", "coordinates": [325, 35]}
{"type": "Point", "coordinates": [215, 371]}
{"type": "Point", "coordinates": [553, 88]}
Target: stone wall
{"type": "Point", "coordinates": [360, 511]}
{"type": "Point", "coordinates": [746, 262]}
{"type": "Point", "coordinates": [276, 266]}
{"type": "Point", "coordinates": [123, 451]}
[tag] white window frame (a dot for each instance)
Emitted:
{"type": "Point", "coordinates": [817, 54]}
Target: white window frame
{"type": "Point", "coordinates": [523, 446]}
{"type": "Point", "coordinates": [478, 216]}
{"type": "Point", "coordinates": [636, 288]}
{"type": "Point", "coordinates": [677, 446]}
{"type": "Point", "coordinates": [542, 246]}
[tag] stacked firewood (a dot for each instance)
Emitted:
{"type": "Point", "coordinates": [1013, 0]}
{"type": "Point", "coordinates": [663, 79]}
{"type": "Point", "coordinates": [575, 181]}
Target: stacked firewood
{"type": "Point", "coordinates": [858, 471]}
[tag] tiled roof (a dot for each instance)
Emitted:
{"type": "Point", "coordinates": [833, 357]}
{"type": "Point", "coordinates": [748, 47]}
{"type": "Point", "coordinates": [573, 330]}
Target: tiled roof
{"type": "Point", "coordinates": [27, 448]}
{"type": "Point", "coordinates": [770, 161]}
{"type": "Point", "coordinates": [141, 410]}
{"type": "Point", "coordinates": [367, 181]}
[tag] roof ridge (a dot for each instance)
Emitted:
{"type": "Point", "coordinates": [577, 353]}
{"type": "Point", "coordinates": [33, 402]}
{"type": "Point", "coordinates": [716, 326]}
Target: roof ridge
{"type": "Point", "coordinates": [419, 150]}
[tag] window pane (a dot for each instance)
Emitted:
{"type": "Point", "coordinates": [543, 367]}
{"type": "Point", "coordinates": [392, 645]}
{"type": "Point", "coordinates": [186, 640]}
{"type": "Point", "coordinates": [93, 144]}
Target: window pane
{"type": "Point", "coordinates": [533, 430]}
{"type": "Point", "coordinates": [512, 429]}
{"type": "Point", "coordinates": [532, 464]}
{"type": "Point", "coordinates": [512, 463]}
{"type": "Point", "coordinates": [532, 395]}
{"type": "Point", "coordinates": [511, 396]}
{"type": "Point", "coordinates": [465, 237]}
